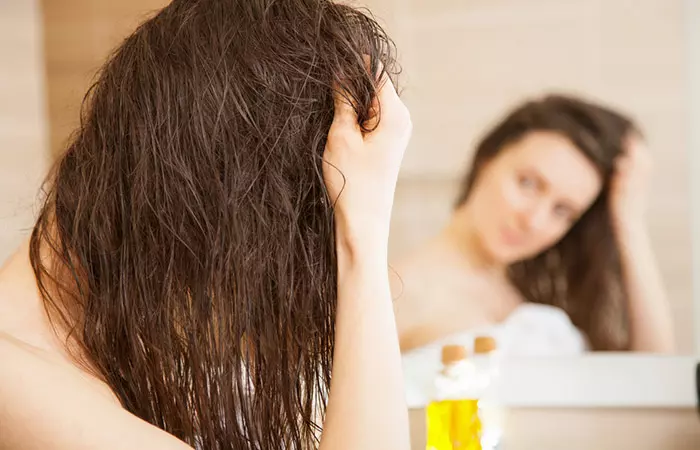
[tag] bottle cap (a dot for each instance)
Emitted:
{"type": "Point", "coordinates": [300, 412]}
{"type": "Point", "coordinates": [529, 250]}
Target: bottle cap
{"type": "Point", "coordinates": [484, 344]}
{"type": "Point", "coordinates": [453, 353]}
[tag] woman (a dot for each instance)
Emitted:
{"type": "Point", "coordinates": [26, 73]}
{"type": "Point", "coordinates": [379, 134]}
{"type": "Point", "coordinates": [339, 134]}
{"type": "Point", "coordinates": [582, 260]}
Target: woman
{"type": "Point", "coordinates": [209, 266]}
{"type": "Point", "coordinates": [552, 213]}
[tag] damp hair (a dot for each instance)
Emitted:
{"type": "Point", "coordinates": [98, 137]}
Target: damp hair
{"type": "Point", "coordinates": [185, 244]}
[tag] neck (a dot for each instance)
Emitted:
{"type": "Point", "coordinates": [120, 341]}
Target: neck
{"type": "Point", "coordinates": [462, 236]}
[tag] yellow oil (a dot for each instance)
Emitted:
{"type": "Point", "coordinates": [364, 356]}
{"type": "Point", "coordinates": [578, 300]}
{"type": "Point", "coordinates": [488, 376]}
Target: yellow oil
{"type": "Point", "coordinates": [453, 425]}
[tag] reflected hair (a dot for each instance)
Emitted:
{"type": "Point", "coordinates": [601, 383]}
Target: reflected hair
{"type": "Point", "coordinates": [581, 273]}
{"type": "Point", "coordinates": [186, 238]}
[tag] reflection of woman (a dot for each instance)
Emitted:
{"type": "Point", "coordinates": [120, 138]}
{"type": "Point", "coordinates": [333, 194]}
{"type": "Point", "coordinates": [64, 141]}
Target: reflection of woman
{"type": "Point", "coordinates": [550, 214]}
{"type": "Point", "coordinates": [200, 271]}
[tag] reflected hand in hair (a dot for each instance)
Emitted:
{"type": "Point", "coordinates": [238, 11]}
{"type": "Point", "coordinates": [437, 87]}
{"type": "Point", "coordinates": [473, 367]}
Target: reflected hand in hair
{"type": "Point", "coordinates": [630, 181]}
{"type": "Point", "coordinates": [650, 319]}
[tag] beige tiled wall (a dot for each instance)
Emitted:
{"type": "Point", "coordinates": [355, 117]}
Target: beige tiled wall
{"type": "Point", "coordinates": [23, 149]}
{"type": "Point", "coordinates": [466, 62]}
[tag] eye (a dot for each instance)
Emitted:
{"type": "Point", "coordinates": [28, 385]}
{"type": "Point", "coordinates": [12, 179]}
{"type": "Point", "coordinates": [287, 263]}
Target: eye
{"type": "Point", "coordinates": [564, 212]}
{"type": "Point", "coordinates": [527, 182]}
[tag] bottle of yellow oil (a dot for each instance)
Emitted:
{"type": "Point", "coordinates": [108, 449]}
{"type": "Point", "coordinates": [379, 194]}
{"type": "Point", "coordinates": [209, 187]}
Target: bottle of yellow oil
{"type": "Point", "coordinates": [452, 416]}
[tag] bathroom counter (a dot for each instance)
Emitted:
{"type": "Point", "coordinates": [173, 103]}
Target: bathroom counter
{"type": "Point", "coordinates": [588, 428]}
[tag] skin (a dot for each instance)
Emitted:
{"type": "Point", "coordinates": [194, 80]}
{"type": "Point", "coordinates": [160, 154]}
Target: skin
{"type": "Point", "coordinates": [48, 402]}
{"type": "Point", "coordinates": [650, 315]}
{"type": "Point", "coordinates": [524, 201]}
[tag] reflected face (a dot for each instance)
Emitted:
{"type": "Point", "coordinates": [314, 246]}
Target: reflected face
{"type": "Point", "coordinates": [528, 197]}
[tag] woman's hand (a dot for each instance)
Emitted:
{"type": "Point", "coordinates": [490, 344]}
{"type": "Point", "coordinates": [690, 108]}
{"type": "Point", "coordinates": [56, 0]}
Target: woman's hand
{"type": "Point", "coordinates": [361, 169]}
{"type": "Point", "coordinates": [628, 191]}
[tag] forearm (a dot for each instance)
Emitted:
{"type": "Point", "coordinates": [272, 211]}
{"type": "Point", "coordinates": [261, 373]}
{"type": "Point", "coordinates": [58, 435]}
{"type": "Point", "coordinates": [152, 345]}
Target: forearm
{"type": "Point", "coordinates": [649, 312]}
{"type": "Point", "coordinates": [366, 407]}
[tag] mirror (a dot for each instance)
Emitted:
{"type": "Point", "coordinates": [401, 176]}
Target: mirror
{"type": "Point", "coordinates": [468, 257]}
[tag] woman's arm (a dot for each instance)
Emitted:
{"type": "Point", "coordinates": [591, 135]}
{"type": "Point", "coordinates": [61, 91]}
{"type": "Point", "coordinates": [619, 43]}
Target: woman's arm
{"type": "Point", "coordinates": [366, 407]}
{"type": "Point", "coordinates": [649, 312]}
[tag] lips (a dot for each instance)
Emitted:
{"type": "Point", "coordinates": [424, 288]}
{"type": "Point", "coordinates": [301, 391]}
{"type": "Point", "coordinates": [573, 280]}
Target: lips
{"type": "Point", "coordinates": [509, 237]}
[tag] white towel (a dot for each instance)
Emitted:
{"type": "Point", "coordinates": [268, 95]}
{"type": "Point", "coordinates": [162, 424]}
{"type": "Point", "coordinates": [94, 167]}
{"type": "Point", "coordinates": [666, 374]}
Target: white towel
{"type": "Point", "coordinates": [531, 330]}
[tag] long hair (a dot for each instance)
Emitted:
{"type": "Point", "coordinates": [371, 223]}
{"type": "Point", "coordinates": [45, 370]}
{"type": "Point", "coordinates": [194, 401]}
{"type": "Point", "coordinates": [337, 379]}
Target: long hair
{"type": "Point", "coordinates": [186, 241]}
{"type": "Point", "coordinates": [582, 272]}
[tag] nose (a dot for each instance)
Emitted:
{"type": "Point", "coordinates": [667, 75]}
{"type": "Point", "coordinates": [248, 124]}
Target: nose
{"type": "Point", "coordinates": [534, 217]}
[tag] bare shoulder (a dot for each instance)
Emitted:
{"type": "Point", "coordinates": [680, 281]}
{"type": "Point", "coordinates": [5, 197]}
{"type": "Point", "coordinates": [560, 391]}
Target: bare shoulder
{"type": "Point", "coordinates": [417, 274]}
{"type": "Point", "coordinates": [413, 280]}
{"type": "Point", "coordinates": [408, 279]}
{"type": "Point", "coordinates": [435, 295]}
{"type": "Point", "coordinates": [48, 405]}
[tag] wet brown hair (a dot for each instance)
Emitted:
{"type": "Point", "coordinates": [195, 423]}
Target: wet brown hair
{"type": "Point", "coordinates": [582, 272]}
{"type": "Point", "coordinates": [191, 217]}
